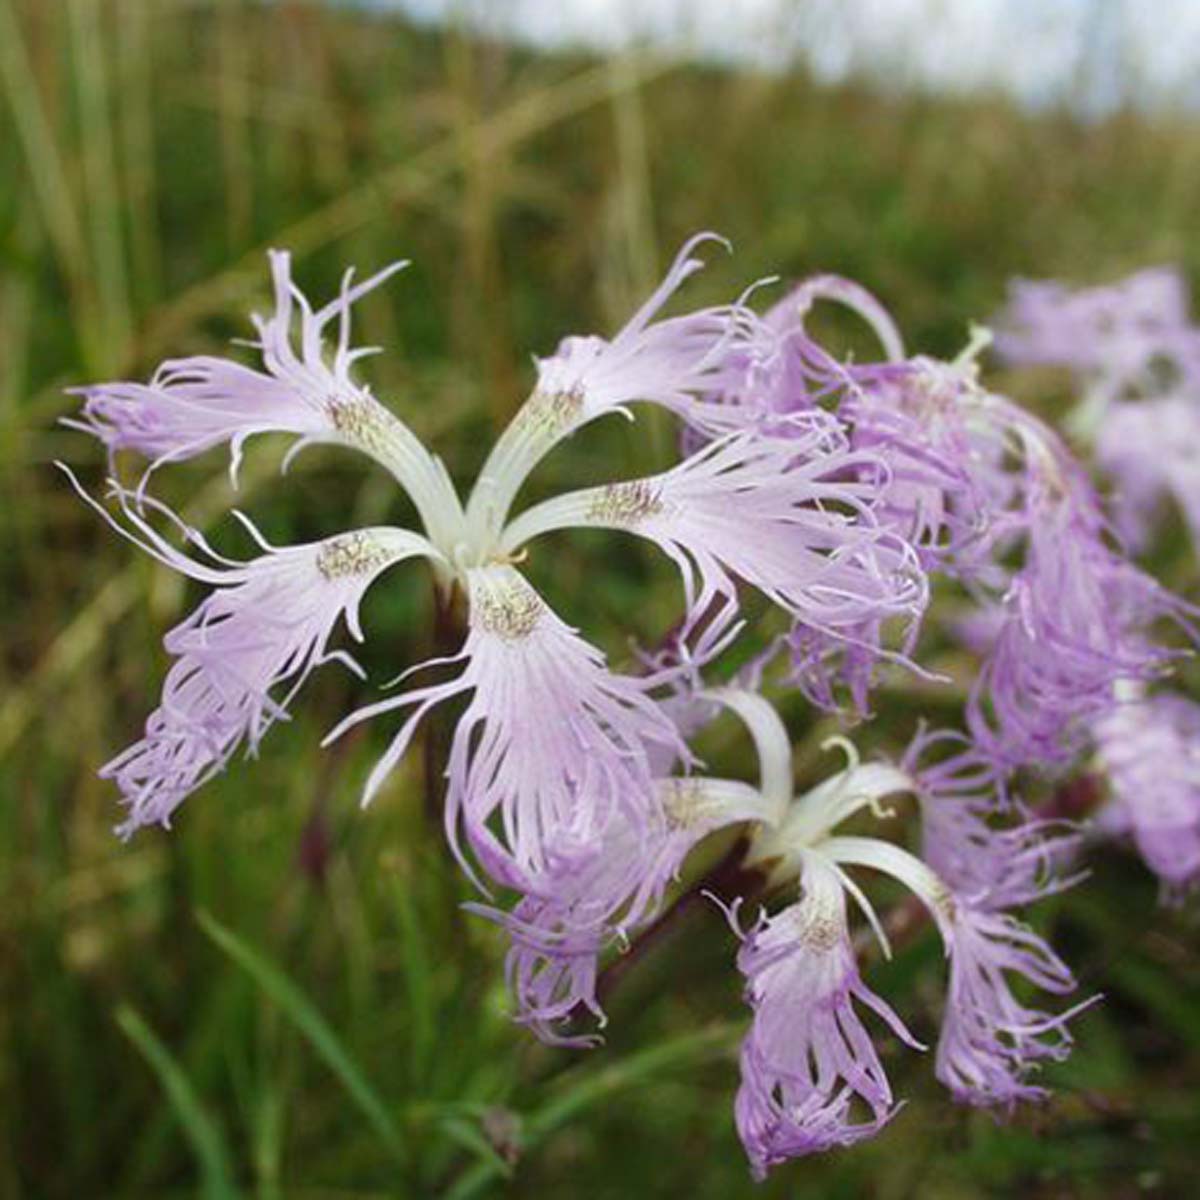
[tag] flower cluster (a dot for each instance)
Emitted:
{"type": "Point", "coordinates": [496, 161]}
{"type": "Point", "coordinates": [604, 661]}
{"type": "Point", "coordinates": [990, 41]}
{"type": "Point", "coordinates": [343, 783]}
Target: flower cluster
{"type": "Point", "coordinates": [1135, 359]}
{"type": "Point", "coordinates": [841, 492]}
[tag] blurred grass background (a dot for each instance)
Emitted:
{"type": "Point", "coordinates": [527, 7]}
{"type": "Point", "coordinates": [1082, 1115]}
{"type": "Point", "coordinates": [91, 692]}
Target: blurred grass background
{"type": "Point", "coordinates": [282, 997]}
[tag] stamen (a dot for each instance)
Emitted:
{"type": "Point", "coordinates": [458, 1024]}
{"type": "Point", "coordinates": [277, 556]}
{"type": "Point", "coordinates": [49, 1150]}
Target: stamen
{"type": "Point", "coordinates": [981, 337]}
{"type": "Point", "coordinates": [878, 809]}
{"type": "Point", "coordinates": [843, 743]}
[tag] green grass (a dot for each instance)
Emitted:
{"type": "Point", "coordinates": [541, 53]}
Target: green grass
{"type": "Point", "coordinates": [282, 998]}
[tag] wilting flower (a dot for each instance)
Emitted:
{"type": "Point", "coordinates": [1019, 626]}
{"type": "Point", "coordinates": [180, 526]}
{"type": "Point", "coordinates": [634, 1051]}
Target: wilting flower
{"type": "Point", "coordinates": [779, 369]}
{"type": "Point", "coordinates": [989, 855]}
{"type": "Point", "coordinates": [988, 494]}
{"type": "Point", "coordinates": [989, 1041]}
{"type": "Point", "coordinates": [1078, 616]}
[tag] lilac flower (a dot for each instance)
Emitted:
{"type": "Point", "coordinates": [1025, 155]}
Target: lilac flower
{"type": "Point", "coordinates": [983, 845]}
{"type": "Point", "coordinates": [808, 1060]}
{"type": "Point", "coordinates": [1077, 618]}
{"type": "Point", "coordinates": [985, 493]}
{"type": "Point", "coordinates": [1064, 610]}
{"type": "Point", "coordinates": [833, 488]}
{"type": "Point", "coordinates": [194, 404]}
{"type": "Point", "coordinates": [593, 895]}
{"type": "Point", "coordinates": [971, 483]}
{"type": "Point", "coordinates": [1111, 333]}
{"type": "Point", "coordinates": [1149, 747]}
{"type": "Point", "coordinates": [1151, 450]}
{"type": "Point", "coordinates": [783, 513]}
{"type": "Point", "coordinates": [552, 744]}
{"type": "Point", "coordinates": [1137, 359]}
{"type": "Point", "coordinates": [242, 655]}
{"type": "Point", "coordinates": [989, 1041]}
{"type": "Point", "coordinates": [665, 362]}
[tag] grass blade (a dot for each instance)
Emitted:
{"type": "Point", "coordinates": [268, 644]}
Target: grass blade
{"type": "Point", "coordinates": [418, 979]}
{"type": "Point", "coordinates": [312, 1025]}
{"type": "Point", "coordinates": [201, 1129]}
{"type": "Point", "coordinates": [105, 203]}
{"type": "Point", "coordinates": [599, 1085]}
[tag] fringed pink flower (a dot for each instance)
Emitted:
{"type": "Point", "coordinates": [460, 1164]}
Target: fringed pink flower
{"type": "Point", "coordinates": [780, 369]}
{"type": "Point", "coordinates": [242, 655]}
{"type": "Point", "coordinates": [1150, 449]}
{"type": "Point", "coordinates": [304, 388]}
{"type": "Point", "coordinates": [784, 513]}
{"type": "Point", "coordinates": [667, 362]}
{"type": "Point", "coordinates": [193, 404]}
{"type": "Point", "coordinates": [594, 894]}
{"type": "Point", "coordinates": [808, 1063]}
{"type": "Point", "coordinates": [1078, 618]}
{"type": "Point", "coordinates": [1149, 747]}
{"type": "Point", "coordinates": [1110, 334]}
{"type": "Point", "coordinates": [981, 842]}
{"type": "Point", "coordinates": [990, 1041]}
{"type": "Point", "coordinates": [552, 745]}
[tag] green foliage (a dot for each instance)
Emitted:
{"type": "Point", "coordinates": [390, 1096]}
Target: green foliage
{"type": "Point", "coordinates": [333, 1024]}
{"type": "Point", "coordinates": [208, 1142]}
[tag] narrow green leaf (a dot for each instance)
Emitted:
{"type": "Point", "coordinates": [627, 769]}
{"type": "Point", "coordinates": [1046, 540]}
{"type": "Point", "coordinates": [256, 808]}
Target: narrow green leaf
{"type": "Point", "coordinates": [1165, 997]}
{"type": "Point", "coordinates": [694, 1047]}
{"type": "Point", "coordinates": [470, 1137]}
{"type": "Point", "coordinates": [312, 1025]}
{"type": "Point", "coordinates": [599, 1085]}
{"type": "Point", "coordinates": [201, 1130]}
{"type": "Point", "coordinates": [418, 983]}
